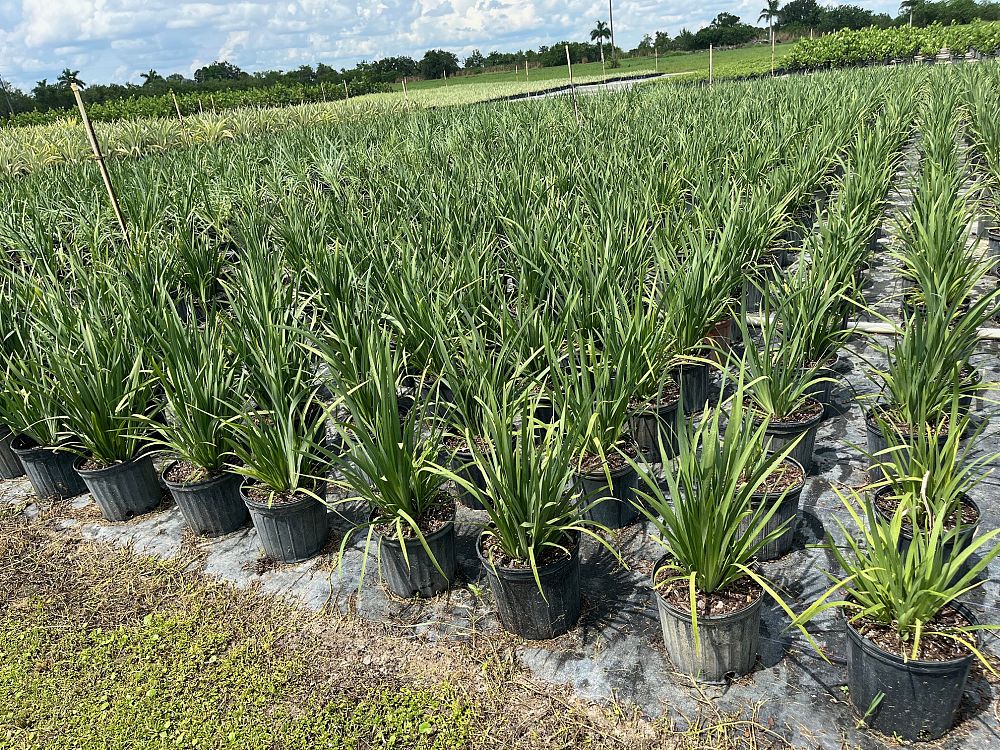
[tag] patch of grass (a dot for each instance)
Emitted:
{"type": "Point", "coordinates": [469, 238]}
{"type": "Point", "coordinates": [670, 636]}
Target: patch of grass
{"type": "Point", "coordinates": [685, 62]}
{"type": "Point", "coordinates": [101, 649]}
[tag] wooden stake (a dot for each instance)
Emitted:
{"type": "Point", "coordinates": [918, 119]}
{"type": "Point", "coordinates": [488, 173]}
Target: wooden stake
{"type": "Point", "coordinates": [526, 69]}
{"type": "Point", "coordinates": [710, 66]}
{"type": "Point", "coordinates": [92, 137]}
{"type": "Point", "coordinates": [772, 48]}
{"type": "Point", "coordinates": [347, 94]}
{"type": "Point", "coordinates": [604, 70]}
{"type": "Point", "coordinates": [322, 88]}
{"type": "Point", "coordinates": [405, 95]}
{"type": "Point", "coordinates": [212, 98]}
{"type": "Point", "coordinates": [572, 87]}
{"type": "Point", "coordinates": [201, 109]}
{"type": "Point", "coordinates": [177, 107]}
{"type": "Point", "coordinates": [656, 60]}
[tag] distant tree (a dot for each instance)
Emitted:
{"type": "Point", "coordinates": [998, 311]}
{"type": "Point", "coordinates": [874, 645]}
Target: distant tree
{"type": "Point", "coordinates": [437, 63]}
{"type": "Point", "coordinates": [770, 14]}
{"type": "Point", "coordinates": [725, 21]}
{"type": "Point", "coordinates": [175, 78]}
{"type": "Point", "coordinates": [68, 77]}
{"type": "Point", "coordinates": [646, 45]}
{"type": "Point", "coordinates": [599, 34]}
{"type": "Point", "coordinates": [803, 13]}
{"type": "Point", "coordinates": [150, 77]}
{"type": "Point", "coordinates": [907, 7]}
{"type": "Point", "coordinates": [219, 71]}
{"type": "Point", "coordinates": [475, 61]}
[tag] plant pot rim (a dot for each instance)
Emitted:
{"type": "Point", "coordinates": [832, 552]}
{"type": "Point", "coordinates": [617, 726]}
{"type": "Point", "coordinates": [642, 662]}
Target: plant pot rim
{"type": "Point", "coordinates": [872, 423]}
{"type": "Point", "coordinates": [526, 573]}
{"type": "Point", "coordinates": [254, 505]}
{"type": "Point", "coordinates": [776, 426]}
{"type": "Point", "coordinates": [907, 531]}
{"type": "Point", "coordinates": [657, 407]}
{"type": "Point", "coordinates": [220, 478]}
{"type": "Point", "coordinates": [924, 665]}
{"type": "Point", "coordinates": [107, 471]}
{"type": "Point", "coordinates": [686, 614]}
{"type": "Point", "coordinates": [25, 446]}
{"type": "Point", "coordinates": [791, 491]}
{"type": "Point", "coordinates": [391, 540]}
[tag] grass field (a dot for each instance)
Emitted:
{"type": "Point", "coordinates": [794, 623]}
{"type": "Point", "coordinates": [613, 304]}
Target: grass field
{"type": "Point", "coordinates": [688, 62]}
{"type": "Point", "coordinates": [104, 650]}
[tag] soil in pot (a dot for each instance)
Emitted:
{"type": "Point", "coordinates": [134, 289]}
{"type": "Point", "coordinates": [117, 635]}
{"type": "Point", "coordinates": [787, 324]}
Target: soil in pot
{"type": "Point", "coordinates": [10, 464]}
{"type": "Point", "coordinates": [211, 503]}
{"type": "Point", "coordinates": [49, 471]}
{"type": "Point", "coordinates": [786, 483]}
{"type": "Point", "coordinates": [968, 516]}
{"type": "Point", "coordinates": [920, 698]}
{"type": "Point", "coordinates": [877, 442]}
{"type": "Point", "coordinates": [291, 526]}
{"type": "Point", "coordinates": [416, 574]}
{"type": "Point", "coordinates": [608, 487]}
{"type": "Point", "coordinates": [728, 627]}
{"type": "Point", "coordinates": [654, 422]}
{"type": "Point", "coordinates": [800, 426]}
{"type": "Point", "coordinates": [122, 490]}
{"type": "Point", "coordinates": [524, 609]}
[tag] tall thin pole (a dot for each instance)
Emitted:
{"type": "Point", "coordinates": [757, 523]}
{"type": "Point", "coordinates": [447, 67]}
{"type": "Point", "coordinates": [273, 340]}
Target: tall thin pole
{"type": "Point", "coordinates": [772, 47]}
{"type": "Point", "coordinates": [710, 65]}
{"type": "Point", "coordinates": [177, 107]}
{"type": "Point", "coordinates": [611, 26]}
{"type": "Point", "coordinates": [105, 175]}
{"type": "Point", "coordinates": [572, 87]}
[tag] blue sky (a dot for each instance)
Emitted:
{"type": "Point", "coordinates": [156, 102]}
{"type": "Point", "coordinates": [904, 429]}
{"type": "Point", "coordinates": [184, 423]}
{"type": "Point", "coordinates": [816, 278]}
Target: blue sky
{"type": "Point", "coordinates": [115, 40]}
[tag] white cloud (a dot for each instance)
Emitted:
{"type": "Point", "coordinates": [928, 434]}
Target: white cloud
{"type": "Point", "coordinates": [114, 40]}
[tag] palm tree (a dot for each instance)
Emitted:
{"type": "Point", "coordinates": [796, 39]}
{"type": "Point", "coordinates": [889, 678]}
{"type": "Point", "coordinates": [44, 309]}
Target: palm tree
{"type": "Point", "coordinates": [599, 34]}
{"type": "Point", "coordinates": [908, 6]}
{"type": "Point", "coordinates": [150, 77]}
{"type": "Point", "coordinates": [68, 77]}
{"type": "Point", "coordinates": [770, 14]}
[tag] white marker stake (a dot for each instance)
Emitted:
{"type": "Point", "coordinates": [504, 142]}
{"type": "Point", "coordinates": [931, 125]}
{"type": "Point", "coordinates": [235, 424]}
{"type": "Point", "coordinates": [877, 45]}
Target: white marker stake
{"type": "Point", "coordinates": [572, 87]}
{"type": "Point", "coordinates": [405, 95]}
{"type": "Point", "coordinates": [710, 65]}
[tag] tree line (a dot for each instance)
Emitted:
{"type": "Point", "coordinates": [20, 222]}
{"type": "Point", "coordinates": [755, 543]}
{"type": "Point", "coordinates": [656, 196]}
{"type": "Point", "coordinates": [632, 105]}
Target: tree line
{"type": "Point", "coordinates": [794, 18]}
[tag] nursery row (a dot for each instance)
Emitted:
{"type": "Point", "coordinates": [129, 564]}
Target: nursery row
{"type": "Point", "coordinates": [217, 120]}
{"type": "Point", "coordinates": [896, 43]}
{"type": "Point", "coordinates": [537, 316]}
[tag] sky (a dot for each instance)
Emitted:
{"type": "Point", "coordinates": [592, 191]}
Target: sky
{"type": "Point", "coordinates": [116, 40]}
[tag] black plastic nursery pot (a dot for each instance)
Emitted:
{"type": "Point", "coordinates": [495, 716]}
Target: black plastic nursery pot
{"type": "Point", "coordinates": [609, 498]}
{"type": "Point", "coordinates": [780, 434]}
{"type": "Point", "coordinates": [289, 531]}
{"type": "Point", "coordinates": [415, 574]}
{"type": "Point", "coordinates": [49, 471]}
{"type": "Point", "coordinates": [530, 612]}
{"type": "Point", "coordinates": [694, 380]}
{"type": "Point", "coordinates": [652, 424]}
{"type": "Point", "coordinates": [823, 390]}
{"type": "Point", "coordinates": [919, 699]}
{"type": "Point", "coordinates": [10, 464]}
{"type": "Point", "coordinates": [211, 507]}
{"type": "Point", "coordinates": [877, 444]}
{"type": "Point", "coordinates": [728, 644]}
{"type": "Point", "coordinates": [955, 543]}
{"type": "Point", "coordinates": [787, 512]}
{"type": "Point", "coordinates": [463, 465]}
{"type": "Point", "coordinates": [123, 490]}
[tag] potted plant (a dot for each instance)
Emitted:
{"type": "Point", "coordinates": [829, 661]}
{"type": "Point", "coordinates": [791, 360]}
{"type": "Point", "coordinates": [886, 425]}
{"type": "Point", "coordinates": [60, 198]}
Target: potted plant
{"type": "Point", "coordinates": [931, 475]}
{"type": "Point", "coordinates": [391, 464]}
{"type": "Point", "coordinates": [30, 406]}
{"type": "Point", "coordinates": [474, 372]}
{"type": "Point", "coordinates": [12, 312]}
{"type": "Point", "coordinates": [781, 378]}
{"type": "Point", "coordinates": [910, 642]}
{"type": "Point", "coordinates": [708, 591]}
{"type": "Point", "coordinates": [530, 549]}
{"type": "Point", "coordinates": [198, 374]}
{"type": "Point", "coordinates": [106, 396]}
{"type": "Point", "coordinates": [595, 390]}
{"type": "Point", "coordinates": [279, 431]}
